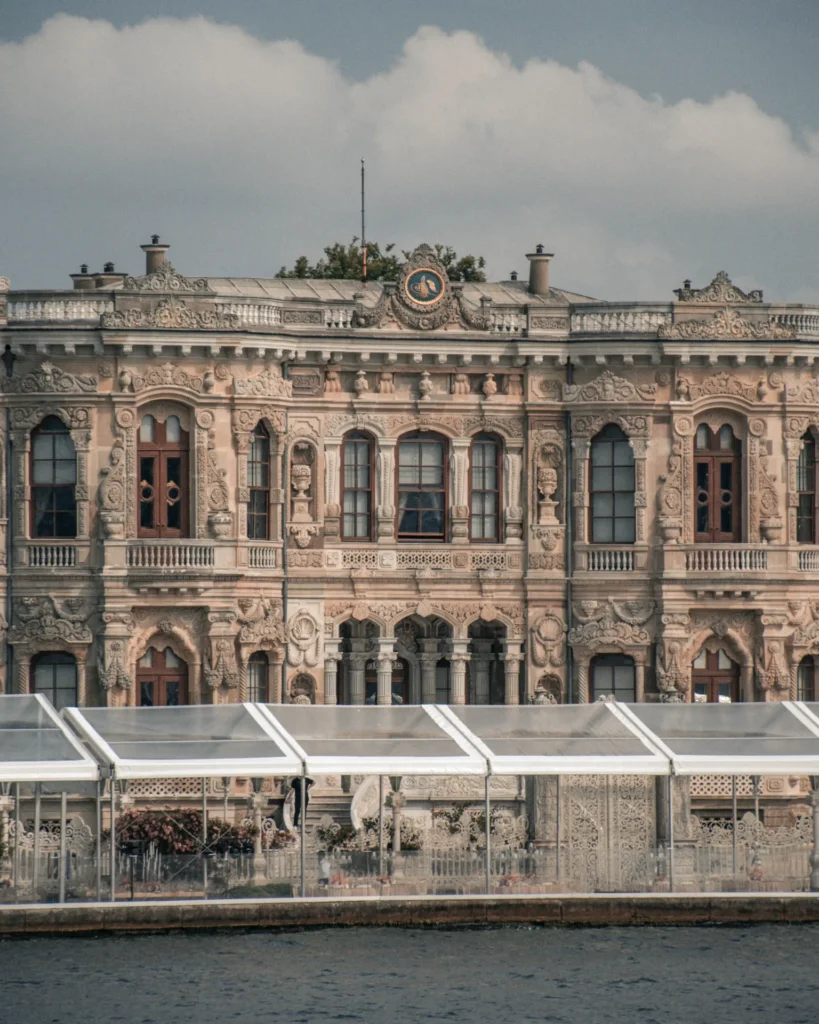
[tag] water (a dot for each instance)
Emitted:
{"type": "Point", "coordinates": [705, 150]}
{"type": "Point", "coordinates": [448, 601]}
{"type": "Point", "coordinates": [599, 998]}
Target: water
{"type": "Point", "coordinates": [764, 974]}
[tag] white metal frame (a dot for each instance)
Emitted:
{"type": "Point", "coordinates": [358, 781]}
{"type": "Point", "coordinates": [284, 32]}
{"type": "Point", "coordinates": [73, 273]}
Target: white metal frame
{"type": "Point", "coordinates": [83, 769]}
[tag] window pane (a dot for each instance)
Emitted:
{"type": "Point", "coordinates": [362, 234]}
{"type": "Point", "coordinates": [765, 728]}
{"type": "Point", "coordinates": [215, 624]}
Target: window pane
{"type": "Point", "coordinates": [146, 694]}
{"type": "Point", "coordinates": [171, 660]}
{"type": "Point", "coordinates": [623, 454]}
{"type": "Point", "coordinates": [601, 479]}
{"type": "Point", "coordinates": [63, 447]}
{"type": "Point", "coordinates": [703, 436]}
{"type": "Point", "coordinates": [624, 504]}
{"type": "Point", "coordinates": [602, 505]}
{"type": "Point", "coordinates": [42, 446]}
{"type": "Point", "coordinates": [624, 478]}
{"type": "Point", "coordinates": [147, 659]}
{"type": "Point", "coordinates": [602, 531]}
{"type": "Point", "coordinates": [173, 430]}
{"type": "Point", "coordinates": [624, 531]}
{"type": "Point", "coordinates": [723, 661]}
{"type": "Point", "coordinates": [172, 693]}
{"type": "Point", "coordinates": [700, 693]}
{"type": "Point", "coordinates": [701, 659]}
{"type": "Point", "coordinates": [432, 476]}
{"type": "Point", "coordinates": [146, 429]}
{"type": "Point", "coordinates": [601, 453]}
{"type": "Point", "coordinates": [65, 472]}
{"type": "Point", "coordinates": [726, 475]}
{"type": "Point", "coordinates": [724, 693]}
{"type": "Point", "coordinates": [726, 437]}
{"type": "Point", "coordinates": [42, 472]}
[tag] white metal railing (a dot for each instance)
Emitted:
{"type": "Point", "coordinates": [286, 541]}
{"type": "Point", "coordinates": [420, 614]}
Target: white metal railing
{"type": "Point", "coordinates": [52, 556]}
{"type": "Point", "coordinates": [610, 560]}
{"type": "Point", "coordinates": [728, 559]}
{"type": "Point", "coordinates": [615, 321]}
{"type": "Point", "coordinates": [170, 555]}
{"type": "Point", "coordinates": [261, 556]}
{"type": "Point", "coordinates": [40, 311]}
{"type": "Point", "coordinates": [808, 560]}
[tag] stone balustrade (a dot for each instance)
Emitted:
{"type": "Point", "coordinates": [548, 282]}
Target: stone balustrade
{"type": "Point", "coordinates": [51, 556]}
{"type": "Point", "coordinates": [170, 554]}
{"type": "Point", "coordinates": [610, 560]}
{"type": "Point", "coordinates": [623, 320]}
{"type": "Point", "coordinates": [23, 311]}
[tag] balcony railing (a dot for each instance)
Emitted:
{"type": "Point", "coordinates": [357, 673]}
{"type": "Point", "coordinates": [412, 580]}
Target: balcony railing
{"type": "Point", "coordinates": [261, 556]}
{"type": "Point", "coordinates": [170, 554]}
{"type": "Point", "coordinates": [808, 560]}
{"type": "Point", "coordinates": [730, 558]}
{"type": "Point", "coordinates": [610, 560]}
{"type": "Point", "coordinates": [52, 556]}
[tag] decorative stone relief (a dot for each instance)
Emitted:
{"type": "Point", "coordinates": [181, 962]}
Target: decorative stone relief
{"type": "Point", "coordinates": [727, 323]}
{"type": "Point", "coordinates": [220, 668]}
{"type": "Point", "coordinates": [332, 381]}
{"type": "Point", "coordinates": [267, 384]}
{"type": "Point", "coordinates": [50, 379]}
{"type": "Point", "coordinates": [112, 667]}
{"type": "Point", "coordinates": [386, 383]}
{"type": "Point", "coordinates": [171, 314]}
{"type": "Point", "coordinates": [670, 496]}
{"type": "Point", "coordinates": [611, 624]}
{"type": "Point", "coordinates": [303, 640]}
{"type": "Point", "coordinates": [261, 624]}
{"type": "Point", "coordinates": [548, 641]}
{"type": "Point", "coordinates": [164, 375]}
{"type": "Point", "coordinates": [548, 389]}
{"type": "Point", "coordinates": [460, 384]}
{"type": "Point", "coordinates": [548, 323]}
{"type": "Point", "coordinates": [165, 279]}
{"type": "Point", "coordinates": [112, 490]}
{"type": "Point", "coordinates": [609, 388]}
{"type": "Point", "coordinates": [302, 526]}
{"type": "Point", "coordinates": [717, 385]}
{"type": "Point", "coordinates": [39, 620]}
{"type": "Point", "coordinates": [721, 290]}
{"type": "Point", "coordinates": [513, 468]}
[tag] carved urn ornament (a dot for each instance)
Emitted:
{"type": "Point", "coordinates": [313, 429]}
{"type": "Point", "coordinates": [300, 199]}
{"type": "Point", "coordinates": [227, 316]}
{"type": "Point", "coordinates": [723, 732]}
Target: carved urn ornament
{"type": "Point", "coordinates": [425, 386]}
{"type": "Point", "coordinates": [490, 385]}
{"type": "Point", "coordinates": [300, 477]}
{"type": "Point", "coordinates": [361, 385]}
{"type": "Point", "coordinates": [547, 485]}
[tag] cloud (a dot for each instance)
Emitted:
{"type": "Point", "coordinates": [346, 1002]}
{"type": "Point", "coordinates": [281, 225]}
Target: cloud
{"type": "Point", "coordinates": [244, 153]}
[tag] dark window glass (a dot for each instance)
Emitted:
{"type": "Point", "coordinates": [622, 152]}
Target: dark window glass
{"type": "Point", "coordinates": [162, 679]}
{"type": "Point", "coordinates": [421, 487]}
{"type": "Point", "coordinates": [612, 488]}
{"type": "Point", "coordinates": [257, 678]}
{"type": "Point", "coordinates": [258, 481]}
{"type": "Point", "coordinates": [612, 675]}
{"type": "Point", "coordinates": [717, 456]}
{"type": "Point", "coordinates": [806, 680]}
{"type": "Point", "coordinates": [53, 480]}
{"type": "Point", "coordinates": [806, 488]}
{"type": "Point", "coordinates": [163, 478]}
{"type": "Point", "coordinates": [484, 469]}
{"type": "Point", "coordinates": [55, 676]}
{"type": "Point", "coordinates": [356, 487]}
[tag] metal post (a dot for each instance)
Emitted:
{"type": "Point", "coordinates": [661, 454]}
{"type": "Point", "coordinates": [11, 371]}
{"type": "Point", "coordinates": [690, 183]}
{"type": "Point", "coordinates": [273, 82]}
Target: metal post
{"type": "Point", "coordinates": [63, 807]}
{"type": "Point", "coordinates": [734, 825]}
{"type": "Point", "coordinates": [16, 862]}
{"type": "Point", "coordinates": [226, 782]}
{"type": "Point", "coordinates": [113, 858]}
{"type": "Point", "coordinates": [36, 872]}
{"type": "Point", "coordinates": [100, 786]}
{"type": "Point", "coordinates": [671, 833]}
{"type": "Point", "coordinates": [557, 832]}
{"type": "Point", "coordinates": [814, 857]}
{"type": "Point", "coordinates": [204, 835]}
{"type": "Point", "coordinates": [380, 826]}
{"type": "Point", "coordinates": [757, 786]}
{"type": "Point", "coordinates": [488, 832]}
{"type": "Point", "coordinates": [303, 825]}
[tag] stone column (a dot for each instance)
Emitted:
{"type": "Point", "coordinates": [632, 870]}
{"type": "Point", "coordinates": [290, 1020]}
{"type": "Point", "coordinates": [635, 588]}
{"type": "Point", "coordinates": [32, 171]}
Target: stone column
{"type": "Point", "coordinates": [357, 665]}
{"type": "Point", "coordinates": [82, 690]}
{"type": "Point", "coordinates": [639, 678]}
{"type": "Point", "coordinates": [582, 677]}
{"type": "Point", "coordinates": [384, 487]}
{"type": "Point", "coordinates": [332, 482]}
{"type": "Point", "coordinates": [481, 659]}
{"type": "Point", "coordinates": [580, 497]}
{"type": "Point", "coordinates": [458, 657]}
{"type": "Point", "coordinates": [274, 675]}
{"type": "Point", "coordinates": [385, 659]}
{"type": "Point", "coordinates": [513, 465]}
{"type": "Point", "coordinates": [429, 664]}
{"type": "Point", "coordinates": [22, 665]}
{"type": "Point", "coordinates": [512, 657]}
{"type": "Point", "coordinates": [332, 656]}
{"type": "Point", "coordinates": [459, 490]}
{"type": "Point", "coordinates": [21, 443]}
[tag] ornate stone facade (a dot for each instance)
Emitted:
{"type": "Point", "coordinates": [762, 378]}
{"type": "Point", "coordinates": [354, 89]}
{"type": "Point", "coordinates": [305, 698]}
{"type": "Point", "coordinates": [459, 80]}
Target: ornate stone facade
{"type": "Point", "coordinates": [374, 616]}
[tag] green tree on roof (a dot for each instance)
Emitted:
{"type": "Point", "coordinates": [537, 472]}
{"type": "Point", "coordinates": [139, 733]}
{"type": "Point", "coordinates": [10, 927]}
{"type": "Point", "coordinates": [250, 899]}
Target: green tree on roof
{"type": "Point", "coordinates": [344, 262]}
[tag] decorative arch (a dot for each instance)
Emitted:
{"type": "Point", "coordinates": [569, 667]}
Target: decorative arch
{"type": "Point", "coordinates": [161, 635]}
{"type": "Point", "coordinates": [736, 644]}
{"type": "Point", "coordinates": [245, 420]}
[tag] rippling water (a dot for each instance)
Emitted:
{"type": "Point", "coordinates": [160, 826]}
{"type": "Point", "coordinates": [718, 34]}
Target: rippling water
{"type": "Point", "coordinates": [765, 974]}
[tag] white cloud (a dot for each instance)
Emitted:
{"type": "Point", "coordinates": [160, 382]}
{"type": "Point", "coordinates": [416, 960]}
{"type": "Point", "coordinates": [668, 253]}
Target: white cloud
{"type": "Point", "coordinates": [245, 153]}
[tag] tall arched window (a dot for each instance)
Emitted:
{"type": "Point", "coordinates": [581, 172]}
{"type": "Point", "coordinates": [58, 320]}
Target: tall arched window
{"type": "Point", "coordinates": [717, 457]}
{"type": "Point", "coordinates": [612, 488]}
{"type": "Point", "coordinates": [421, 487]}
{"type": "Point", "coordinates": [257, 678]}
{"type": "Point", "coordinates": [53, 480]}
{"type": "Point", "coordinates": [484, 488]}
{"type": "Point", "coordinates": [806, 679]}
{"type": "Point", "coordinates": [357, 487]}
{"type": "Point", "coordinates": [162, 679]}
{"type": "Point", "coordinates": [163, 478]}
{"type": "Point", "coordinates": [806, 488]}
{"type": "Point", "coordinates": [715, 678]}
{"type": "Point", "coordinates": [612, 675]}
{"type": "Point", "coordinates": [54, 674]}
{"type": "Point", "coordinates": [258, 482]}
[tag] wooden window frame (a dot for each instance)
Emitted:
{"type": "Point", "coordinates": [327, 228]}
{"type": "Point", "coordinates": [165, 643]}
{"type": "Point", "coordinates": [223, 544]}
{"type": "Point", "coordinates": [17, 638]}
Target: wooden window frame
{"type": "Point", "coordinates": [808, 494]}
{"type": "Point", "coordinates": [52, 489]}
{"type": "Point", "coordinates": [614, 660]}
{"type": "Point", "coordinates": [600, 439]}
{"type": "Point", "coordinates": [712, 676]}
{"type": "Point", "coordinates": [40, 659]}
{"type": "Point", "coordinates": [422, 538]}
{"type": "Point", "coordinates": [161, 676]}
{"type": "Point", "coordinates": [715, 457]}
{"type": "Point", "coordinates": [252, 516]}
{"type": "Point", "coordinates": [358, 436]}
{"type": "Point", "coordinates": [161, 451]}
{"type": "Point", "coordinates": [259, 658]}
{"type": "Point", "coordinates": [487, 439]}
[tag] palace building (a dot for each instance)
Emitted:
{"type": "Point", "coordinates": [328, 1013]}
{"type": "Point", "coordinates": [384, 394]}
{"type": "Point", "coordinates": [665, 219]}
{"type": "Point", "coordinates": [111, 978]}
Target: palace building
{"type": "Point", "coordinates": [227, 489]}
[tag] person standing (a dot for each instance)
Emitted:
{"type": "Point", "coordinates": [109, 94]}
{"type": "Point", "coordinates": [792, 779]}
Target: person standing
{"type": "Point", "coordinates": [296, 786]}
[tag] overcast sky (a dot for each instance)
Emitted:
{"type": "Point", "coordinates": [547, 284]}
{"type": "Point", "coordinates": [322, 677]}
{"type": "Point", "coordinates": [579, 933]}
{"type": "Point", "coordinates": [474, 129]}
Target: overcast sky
{"type": "Point", "coordinates": [643, 141]}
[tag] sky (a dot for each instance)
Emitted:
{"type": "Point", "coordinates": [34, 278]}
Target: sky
{"type": "Point", "coordinates": [642, 141]}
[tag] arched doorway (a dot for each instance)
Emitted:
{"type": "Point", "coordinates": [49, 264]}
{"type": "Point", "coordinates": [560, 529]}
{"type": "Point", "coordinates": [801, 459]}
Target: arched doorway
{"type": "Point", "coordinates": [162, 679]}
{"type": "Point", "coordinates": [714, 678]}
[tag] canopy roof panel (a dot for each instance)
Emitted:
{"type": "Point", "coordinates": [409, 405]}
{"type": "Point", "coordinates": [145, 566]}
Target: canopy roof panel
{"type": "Point", "coordinates": [408, 740]}
{"type": "Point", "coordinates": [733, 739]}
{"type": "Point", "coordinates": [559, 739]}
{"type": "Point", "coordinates": [36, 745]}
{"type": "Point", "coordinates": [194, 740]}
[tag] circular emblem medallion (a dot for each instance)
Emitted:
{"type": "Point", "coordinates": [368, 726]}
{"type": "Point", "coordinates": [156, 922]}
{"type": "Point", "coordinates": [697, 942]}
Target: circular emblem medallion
{"type": "Point", "coordinates": [424, 286]}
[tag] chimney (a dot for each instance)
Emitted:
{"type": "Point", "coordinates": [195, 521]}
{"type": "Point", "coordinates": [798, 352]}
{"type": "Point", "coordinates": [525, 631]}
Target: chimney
{"type": "Point", "coordinates": [83, 282]}
{"type": "Point", "coordinates": [539, 271]}
{"type": "Point", "coordinates": [108, 278]}
{"type": "Point", "coordinates": [154, 254]}
{"type": "Point", "coordinates": [513, 276]}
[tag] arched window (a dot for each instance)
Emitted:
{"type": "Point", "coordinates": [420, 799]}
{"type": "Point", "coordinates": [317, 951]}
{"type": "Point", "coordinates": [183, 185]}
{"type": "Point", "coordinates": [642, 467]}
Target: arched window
{"type": "Point", "coordinates": [484, 488]}
{"type": "Point", "coordinates": [806, 679]}
{"type": "Point", "coordinates": [163, 478]}
{"type": "Point", "coordinates": [162, 679]}
{"type": "Point", "coordinates": [806, 488]}
{"type": "Point", "coordinates": [54, 674]}
{"type": "Point", "coordinates": [53, 480]}
{"type": "Point", "coordinates": [612, 488]}
{"type": "Point", "coordinates": [400, 682]}
{"type": "Point", "coordinates": [717, 455]}
{"type": "Point", "coordinates": [421, 487]}
{"type": "Point", "coordinates": [612, 675]}
{"type": "Point", "coordinates": [715, 678]}
{"type": "Point", "coordinates": [257, 678]}
{"type": "Point", "coordinates": [258, 482]}
{"type": "Point", "coordinates": [357, 487]}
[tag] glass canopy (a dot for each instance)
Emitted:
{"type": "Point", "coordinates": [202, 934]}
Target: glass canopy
{"type": "Point", "coordinates": [37, 746]}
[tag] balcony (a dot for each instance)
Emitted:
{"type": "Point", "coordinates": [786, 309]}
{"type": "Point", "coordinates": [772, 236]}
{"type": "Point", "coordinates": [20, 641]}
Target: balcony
{"type": "Point", "coordinates": [426, 558]}
{"type": "Point", "coordinates": [171, 554]}
{"type": "Point", "coordinates": [52, 554]}
{"type": "Point", "coordinates": [728, 558]}
{"type": "Point", "coordinates": [611, 558]}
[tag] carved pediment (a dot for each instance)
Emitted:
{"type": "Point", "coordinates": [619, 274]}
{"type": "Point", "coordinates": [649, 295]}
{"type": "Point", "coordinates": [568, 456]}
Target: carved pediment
{"type": "Point", "coordinates": [267, 384]}
{"type": "Point", "coordinates": [608, 387]}
{"type": "Point", "coordinates": [727, 323]}
{"type": "Point", "coordinates": [717, 384]}
{"type": "Point", "coordinates": [165, 279]}
{"type": "Point", "coordinates": [721, 289]}
{"type": "Point", "coordinates": [172, 314]}
{"type": "Point", "coordinates": [50, 379]}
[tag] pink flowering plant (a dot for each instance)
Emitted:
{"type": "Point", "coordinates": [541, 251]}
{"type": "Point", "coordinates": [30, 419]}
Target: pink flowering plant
{"type": "Point", "coordinates": [179, 831]}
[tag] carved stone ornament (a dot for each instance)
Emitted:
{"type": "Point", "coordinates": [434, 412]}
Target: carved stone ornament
{"type": "Point", "coordinates": [267, 384]}
{"type": "Point", "coordinates": [548, 634]}
{"type": "Point", "coordinates": [112, 491]}
{"type": "Point", "coordinates": [164, 375]}
{"type": "Point", "coordinates": [304, 639]}
{"type": "Point", "coordinates": [165, 279]}
{"type": "Point", "coordinates": [727, 323]}
{"type": "Point", "coordinates": [50, 379]}
{"type": "Point", "coordinates": [611, 624]}
{"type": "Point", "coordinates": [721, 290]}
{"type": "Point", "coordinates": [39, 619]}
{"type": "Point", "coordinates": [172, 314]}
{"type": "Point", "coordinates": [261, 623]}
{"type": "Point", "coordinates": [423, 299]}
{"type": "Point", "coordinates": [222, 671]}
{"type": "Point", "coordinates": [112, 672]}
{"type": "Point", "coordinates": [608, 387]}
{"type": "Point", "coordinates": [716, 384]}
{"type": "Point", "coordinates": [548, 323]}
{"type": "Point", "coordinates": [774, 673]}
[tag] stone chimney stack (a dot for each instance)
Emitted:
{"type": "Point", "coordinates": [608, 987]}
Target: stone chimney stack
{"type": "Point", "coordinates": [539, 271]}
{"type": "Point", "coordinates": [83, 282]}
{"type": "Point", "coordinates": [154, 254]}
